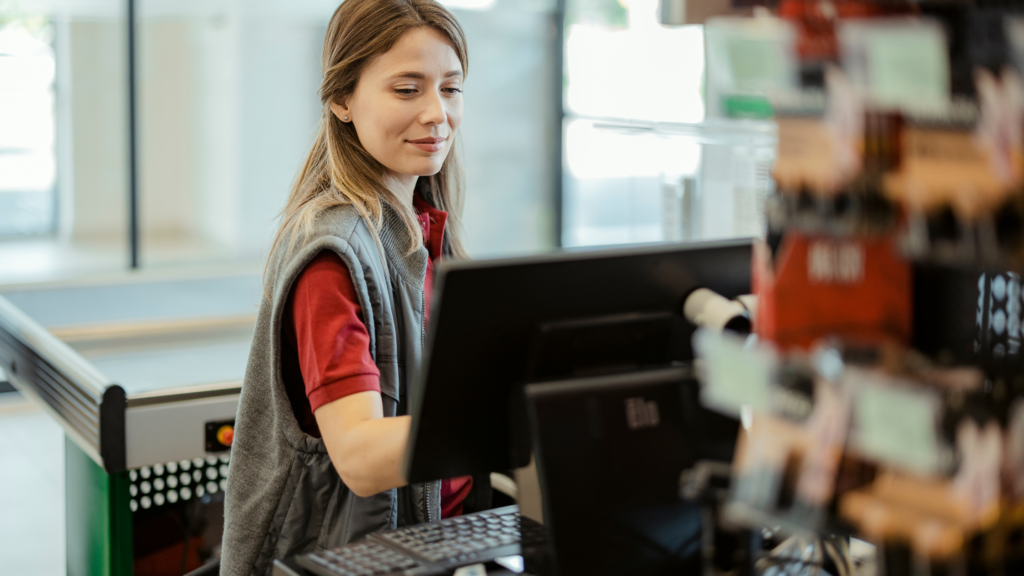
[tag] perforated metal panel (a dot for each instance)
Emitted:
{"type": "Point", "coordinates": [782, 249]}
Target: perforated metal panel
{"type": "Point", "coordinates": [173, 482]}
{"type": "Point", "coordinates": [998, 337]}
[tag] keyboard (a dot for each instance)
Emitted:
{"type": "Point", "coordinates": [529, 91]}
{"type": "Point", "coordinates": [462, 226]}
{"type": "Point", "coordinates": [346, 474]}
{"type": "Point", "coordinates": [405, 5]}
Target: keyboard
{"type": "Point", "coordinates": [366, 558]}
{"type": "Point", "coordinates": [432, 548]}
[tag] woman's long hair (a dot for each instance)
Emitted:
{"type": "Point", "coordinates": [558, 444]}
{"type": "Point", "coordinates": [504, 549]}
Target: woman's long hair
{"type": "Point", "coordinates": [338, 169]}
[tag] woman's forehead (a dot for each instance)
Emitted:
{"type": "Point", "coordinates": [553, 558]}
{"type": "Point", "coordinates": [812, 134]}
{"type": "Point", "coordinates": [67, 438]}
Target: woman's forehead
{"type": "Point", "coordinates": [419, 53]}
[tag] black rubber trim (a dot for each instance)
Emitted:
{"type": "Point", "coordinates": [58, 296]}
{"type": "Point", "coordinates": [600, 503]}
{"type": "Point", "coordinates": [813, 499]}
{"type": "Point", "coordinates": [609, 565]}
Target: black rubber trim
{"type": "Point", "coordinates": [112, 429]}
{"type": "Point", "coordinates": [78, 408]}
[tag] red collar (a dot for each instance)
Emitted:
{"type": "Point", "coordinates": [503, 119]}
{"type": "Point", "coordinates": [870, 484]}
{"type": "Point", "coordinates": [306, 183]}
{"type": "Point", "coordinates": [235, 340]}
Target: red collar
{"type": "Point", "coordinates": [433, 222]}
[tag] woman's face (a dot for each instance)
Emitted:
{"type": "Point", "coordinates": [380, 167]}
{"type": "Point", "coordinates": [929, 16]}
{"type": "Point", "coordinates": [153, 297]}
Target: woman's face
{"type": "Point", "coordinates": [407, 104]}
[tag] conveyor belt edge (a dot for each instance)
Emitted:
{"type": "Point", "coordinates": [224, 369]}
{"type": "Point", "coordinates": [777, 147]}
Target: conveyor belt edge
{"type": "Point", "coordinates": [90, 408]}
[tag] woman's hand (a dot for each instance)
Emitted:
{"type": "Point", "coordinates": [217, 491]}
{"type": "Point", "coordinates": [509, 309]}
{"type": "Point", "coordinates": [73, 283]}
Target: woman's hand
{"type": "Point", "coordinates": [366, 448]}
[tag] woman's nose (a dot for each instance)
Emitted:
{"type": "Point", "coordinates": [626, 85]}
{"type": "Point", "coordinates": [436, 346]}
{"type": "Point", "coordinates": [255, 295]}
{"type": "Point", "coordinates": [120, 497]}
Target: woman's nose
{"type": "Point", "coordinates": [434, 111]}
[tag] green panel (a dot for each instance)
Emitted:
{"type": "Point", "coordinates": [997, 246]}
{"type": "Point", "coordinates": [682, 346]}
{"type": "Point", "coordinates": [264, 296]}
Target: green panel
{"type": "Point", "coordinates": [122, 554]}
{"type": "Point", "coordinates": [747, 106]}
{"type": "Point", "coordinates": [99, 522]}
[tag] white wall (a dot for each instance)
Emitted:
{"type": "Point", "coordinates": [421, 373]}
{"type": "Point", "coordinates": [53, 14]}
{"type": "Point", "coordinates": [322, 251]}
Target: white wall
{"type": "Point", "coordinates": [97, 131]}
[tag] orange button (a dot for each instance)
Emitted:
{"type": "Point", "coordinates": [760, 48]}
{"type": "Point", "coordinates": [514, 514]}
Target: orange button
{"type": "Point", "coordinates": [226, 434]}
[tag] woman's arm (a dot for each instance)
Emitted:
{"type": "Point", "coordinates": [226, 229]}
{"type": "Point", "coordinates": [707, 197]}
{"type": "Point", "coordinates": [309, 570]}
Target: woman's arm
{"type": "Point", "coordinates": [341, 380]}
{"type": "Point", "coordinates": [366, 448]}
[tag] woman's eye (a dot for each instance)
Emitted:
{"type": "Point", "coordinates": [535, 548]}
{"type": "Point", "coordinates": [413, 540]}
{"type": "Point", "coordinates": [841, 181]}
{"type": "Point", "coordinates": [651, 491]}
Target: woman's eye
{"type": "Point", "coordinates": [453, 91]}
{"type": "Point", "coordinates": [405, 91]}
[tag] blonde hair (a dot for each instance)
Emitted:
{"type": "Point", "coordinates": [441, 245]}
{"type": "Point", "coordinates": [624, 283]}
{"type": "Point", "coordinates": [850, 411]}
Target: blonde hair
{"type": "Point", "coordinates": [338, 170]}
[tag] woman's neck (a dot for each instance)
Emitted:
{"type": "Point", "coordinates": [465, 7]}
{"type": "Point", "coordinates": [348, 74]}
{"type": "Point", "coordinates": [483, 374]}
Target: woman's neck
{"type": "Point", "coordinates": [404, 187]}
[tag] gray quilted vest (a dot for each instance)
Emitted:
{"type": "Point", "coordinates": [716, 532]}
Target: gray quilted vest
{"type": "Point", "coordinates": [283, 495]}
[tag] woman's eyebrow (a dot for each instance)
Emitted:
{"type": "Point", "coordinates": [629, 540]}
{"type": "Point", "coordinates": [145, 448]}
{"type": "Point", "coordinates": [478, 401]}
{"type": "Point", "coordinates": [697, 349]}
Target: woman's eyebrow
{"type": "Point", "coordinates": [421, 76]}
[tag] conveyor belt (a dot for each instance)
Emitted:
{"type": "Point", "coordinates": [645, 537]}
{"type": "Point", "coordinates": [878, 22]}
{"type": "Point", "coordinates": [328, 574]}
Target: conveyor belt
{"type": "Point", "coordinates": [133, 369]}
{"type": "Point", "coordinates": [139, 301]}
{"type": "Point", "coordinates": [149, 371]}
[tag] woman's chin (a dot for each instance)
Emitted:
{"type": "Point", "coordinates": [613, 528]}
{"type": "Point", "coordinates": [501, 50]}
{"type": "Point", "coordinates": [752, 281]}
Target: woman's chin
{"type": "Point", "coordinates": [427, 169]}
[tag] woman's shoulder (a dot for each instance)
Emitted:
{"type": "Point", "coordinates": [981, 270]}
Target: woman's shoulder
{"type": "Point", "coordinates": [341, 224]}
{"type": "Point", "coordinates": [339, 228]}
{"type": "Point", "coordinates": [341, 220]}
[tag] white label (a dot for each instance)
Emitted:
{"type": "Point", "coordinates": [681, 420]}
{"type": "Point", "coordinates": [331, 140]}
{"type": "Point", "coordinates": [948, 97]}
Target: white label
{"type": "Point", "coordinates": [898, 62]}
{"type": "Point", "coordinates": [641, 413]}
{"type": "Point", "coordinates": [835, 262]}
{"type": "Point", "coordinates": [734, 376]}
{"type": "Point", "coordinates": [753, 56]}
{"type": "Point", "coordinates": [897, 424]}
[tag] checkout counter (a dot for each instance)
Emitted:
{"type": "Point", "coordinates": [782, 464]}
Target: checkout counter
{"type": "Point", "coordinates": [144, 377]}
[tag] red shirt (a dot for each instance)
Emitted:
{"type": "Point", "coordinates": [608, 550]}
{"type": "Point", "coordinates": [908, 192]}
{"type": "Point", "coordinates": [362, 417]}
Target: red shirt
{"type": "Point", "coordinates": [327, 345]}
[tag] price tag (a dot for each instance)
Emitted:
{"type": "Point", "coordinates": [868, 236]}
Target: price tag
{"type": "Point", "coordinates": [895, 423]}
{"type": "Point", "coordinates": [749, 57]}
{"type": "Point", "coordinates": [898, 63]}
{"type": "Point", "coordinates": [734, 376]}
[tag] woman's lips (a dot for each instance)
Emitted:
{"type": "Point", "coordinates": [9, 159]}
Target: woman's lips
{"type": "Point", "coordinates": [428, 144]}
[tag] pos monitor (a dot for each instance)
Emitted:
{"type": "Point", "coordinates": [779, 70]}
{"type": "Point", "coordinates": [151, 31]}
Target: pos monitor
{"type": "Point", "coordinates": [501, 324]}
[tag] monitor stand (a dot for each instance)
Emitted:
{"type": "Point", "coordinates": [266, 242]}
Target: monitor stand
{"type": "Point", "coordinates": [528, 494]}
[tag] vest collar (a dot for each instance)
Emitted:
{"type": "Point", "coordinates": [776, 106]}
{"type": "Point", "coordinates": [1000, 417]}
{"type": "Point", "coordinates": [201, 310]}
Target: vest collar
{"type": "Point", "coordinates": [394, 237]}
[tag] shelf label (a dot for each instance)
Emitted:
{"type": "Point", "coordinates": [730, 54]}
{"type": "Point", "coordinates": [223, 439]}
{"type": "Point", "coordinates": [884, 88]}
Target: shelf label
{"type": "Point", "coordinates": [899, 63]}
{"type": "Point", "coordinates": [734, 375]}
{"type": "Point", "coordinates": [896, 423]}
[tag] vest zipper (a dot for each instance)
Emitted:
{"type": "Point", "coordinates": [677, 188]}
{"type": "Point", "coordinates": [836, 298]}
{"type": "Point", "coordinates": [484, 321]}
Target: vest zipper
{"type": "Point", "coordinates": [423, 322]}
{"type": "Point", "coordinates": [427, 486]}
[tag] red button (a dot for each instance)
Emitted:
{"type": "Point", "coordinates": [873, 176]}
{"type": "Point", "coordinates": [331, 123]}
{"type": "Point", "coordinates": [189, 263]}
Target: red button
{"type": "Point", "coordinates": [226, 435]}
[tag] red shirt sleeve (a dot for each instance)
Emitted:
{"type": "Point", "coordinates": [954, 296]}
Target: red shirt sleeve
{"type": "Point", "coordinates": [332, 341]}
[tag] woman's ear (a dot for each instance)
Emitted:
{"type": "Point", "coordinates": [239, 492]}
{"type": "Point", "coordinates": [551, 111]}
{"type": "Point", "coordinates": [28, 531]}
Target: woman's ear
{"type": "Point", "coordinates": [340, 111]}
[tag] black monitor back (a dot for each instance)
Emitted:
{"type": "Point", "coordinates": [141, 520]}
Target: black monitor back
{"type": "Point", "coordinates": [494, 323]}
{"type": "Point", "coordinates": [610, 452]}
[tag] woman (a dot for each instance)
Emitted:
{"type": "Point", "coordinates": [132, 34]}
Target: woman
{"type": "Point", "coordinates": [321, 429]}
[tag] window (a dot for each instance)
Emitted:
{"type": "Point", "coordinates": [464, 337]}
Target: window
{"type": "Point", "coordinates": [28, 172]}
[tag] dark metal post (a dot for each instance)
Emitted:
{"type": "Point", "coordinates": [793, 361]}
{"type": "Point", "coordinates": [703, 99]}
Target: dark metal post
{"type": "Point", "coordinates": [133, 176]}
{"type": "Point", "coordinates": [559, 118]}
